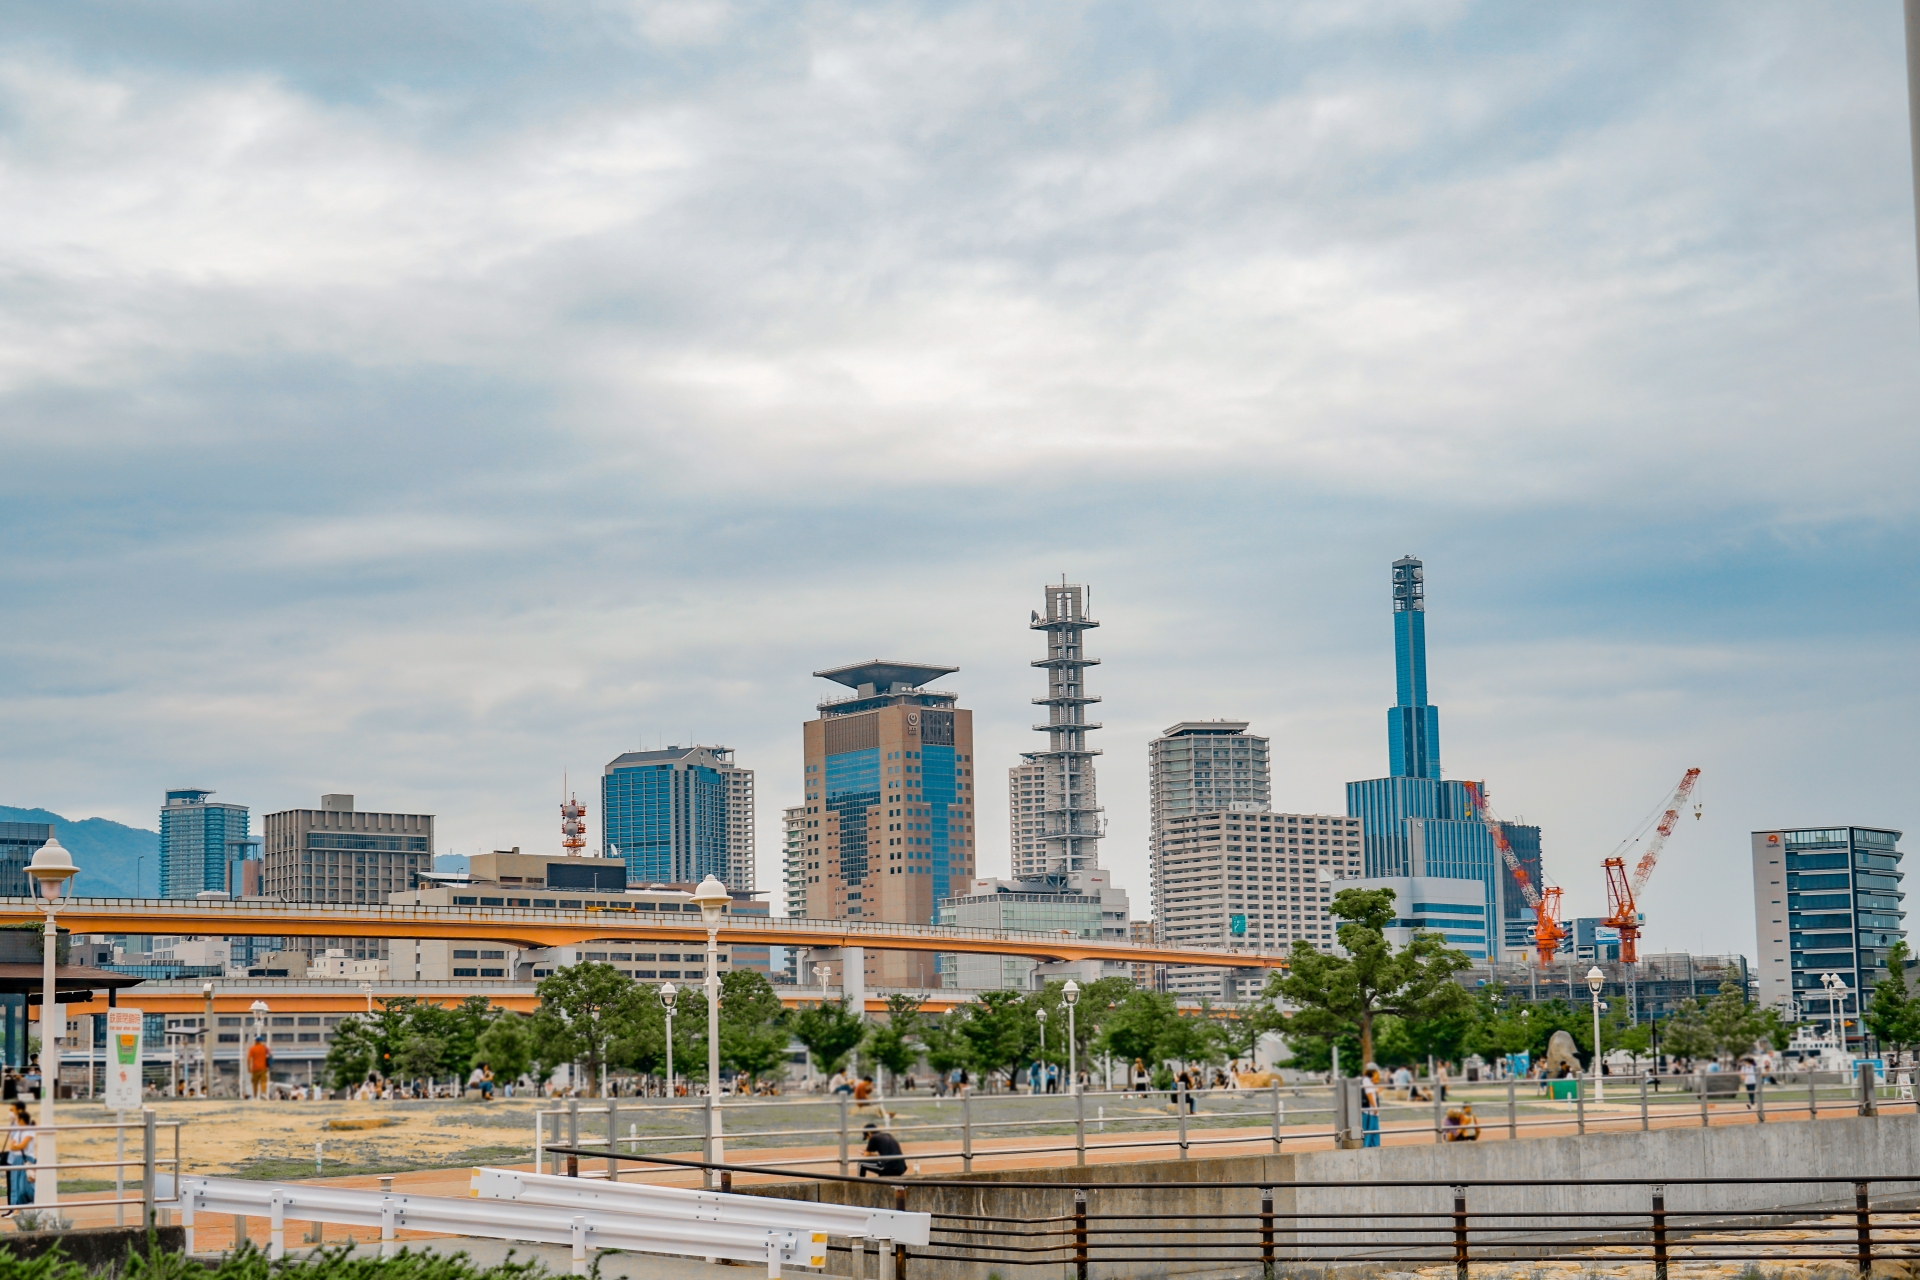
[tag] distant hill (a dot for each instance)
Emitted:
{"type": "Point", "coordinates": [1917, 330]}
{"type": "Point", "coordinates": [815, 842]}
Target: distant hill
{"type": "Point", "coordinates": [106, 852]}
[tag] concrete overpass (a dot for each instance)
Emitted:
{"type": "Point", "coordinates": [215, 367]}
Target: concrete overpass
{"type": "Point", "coordinates": [541, 927]}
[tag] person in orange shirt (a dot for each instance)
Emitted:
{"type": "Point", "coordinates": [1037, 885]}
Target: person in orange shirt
{"type": "Point", "coordinates": [259, 1058]}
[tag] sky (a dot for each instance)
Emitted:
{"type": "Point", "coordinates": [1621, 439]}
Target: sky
{"type": "Point", "coordinates": [433, 401]}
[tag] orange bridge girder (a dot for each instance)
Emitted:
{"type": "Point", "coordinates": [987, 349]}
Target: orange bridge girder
{"type": "Point", "coordinates": [535, 927]}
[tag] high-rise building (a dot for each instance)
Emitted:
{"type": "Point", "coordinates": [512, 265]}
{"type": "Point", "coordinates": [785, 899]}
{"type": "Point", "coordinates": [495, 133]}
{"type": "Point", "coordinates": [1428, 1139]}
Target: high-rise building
{"type": "Point", "coordinates": [1417, 823]}
{"type": "Point", "coordinates": [1200, 766]}
{"type": "Point", "coordinates": [19, 841]}
{"type": "Point", "coordinates": [793, 821]}
{"type": "Point", "coordinates": [197, 840]}
{"type": "Point", "coordinates": [1826, 900]}
{"type": "Point", "coordinates": [1065, 834]}
{"type": "Point", "coordinates": [889, 806]}
{"type": "Point", "coordinates": [680, 814]}
{"type": "Point", "coordinates": [1259, 880]}
{"type": "Point", "coordinates": [337, 853]}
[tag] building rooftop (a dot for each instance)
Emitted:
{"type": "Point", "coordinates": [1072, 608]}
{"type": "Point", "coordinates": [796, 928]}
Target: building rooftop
{"type": "Point", "coordinates": [1192, 728]}
{"type": "Point", "coordinates": [668, 755]}
{"type": "Point", "coordinates": [883, 675]}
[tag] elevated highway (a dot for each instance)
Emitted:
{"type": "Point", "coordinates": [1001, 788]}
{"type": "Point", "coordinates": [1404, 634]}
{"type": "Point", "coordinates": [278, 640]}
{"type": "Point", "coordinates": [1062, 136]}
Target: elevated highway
{"type": "Point", "coordinates": [542, 927]}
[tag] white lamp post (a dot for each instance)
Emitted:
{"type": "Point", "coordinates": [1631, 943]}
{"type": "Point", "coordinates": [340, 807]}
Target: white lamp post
{"type": "Point", "coordinates": [1596, 980]}
{"type": "Point", "coordinates": [667, 996]}
{"type": "Point", "coordinates": [1041, 1014]}
{"type": "Point", "coordinates": [712, 897]}
{"type": "Point", "coordinates": [1071, 994]}
{"type": "Point", "coordinates": [52, 870]}
{"type": "Point", "coordinates": [206, 1043]}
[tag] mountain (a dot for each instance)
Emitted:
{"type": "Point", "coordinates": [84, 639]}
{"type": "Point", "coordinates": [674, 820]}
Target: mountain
{"type": "Point", "coordinates": [106, 852]}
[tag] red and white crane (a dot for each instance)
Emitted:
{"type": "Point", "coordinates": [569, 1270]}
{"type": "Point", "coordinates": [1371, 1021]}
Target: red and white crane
{"type": "Point", "coordinates": [1548, 932]}
{"type": "Point", "coordinates": [1623, 912]}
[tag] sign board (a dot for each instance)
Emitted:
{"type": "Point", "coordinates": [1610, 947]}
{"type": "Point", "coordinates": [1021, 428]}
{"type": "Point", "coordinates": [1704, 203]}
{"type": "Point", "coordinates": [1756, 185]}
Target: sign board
{"type": "Point", "coordinates": [1237, 926]}
{"type": "Point", "coordinates": [125, 1031]}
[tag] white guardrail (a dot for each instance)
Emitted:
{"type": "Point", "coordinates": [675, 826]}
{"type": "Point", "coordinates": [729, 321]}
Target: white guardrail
{"type": "Point", "coordinates": [507, 1205]}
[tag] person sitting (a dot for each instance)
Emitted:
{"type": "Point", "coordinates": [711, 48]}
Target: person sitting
{"type": "Point", "coordinates": [892, 1163]}
{"type": "Point", "coordinates": [1450, 1128]}
{"type": "Point", "coordinates": [862, 1091]}
{"type": "Point", "coordinates": [1469, 1126]}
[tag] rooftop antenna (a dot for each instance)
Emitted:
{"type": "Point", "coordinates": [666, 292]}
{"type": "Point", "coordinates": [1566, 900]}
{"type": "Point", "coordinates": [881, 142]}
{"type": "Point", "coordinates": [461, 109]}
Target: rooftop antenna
{"type": "Point", "coordinates": [573, 828]}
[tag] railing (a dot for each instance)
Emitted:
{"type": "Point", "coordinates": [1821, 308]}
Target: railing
{"type": "Point", "coordinates": [150, 1133]}
{"type": "Point", "coordinates": [958, 1131]}
{"type": "Point", "coordinates": [1618, 1222]}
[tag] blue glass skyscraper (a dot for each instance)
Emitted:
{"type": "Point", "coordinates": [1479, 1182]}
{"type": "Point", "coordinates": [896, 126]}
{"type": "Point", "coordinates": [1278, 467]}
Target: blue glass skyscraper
{"type": "Point", "coordinates": [197, 840]}
{"type": "Point", "coordinates": [679, 814]}
{"type": "Point", "coordinates": [1414, 822]}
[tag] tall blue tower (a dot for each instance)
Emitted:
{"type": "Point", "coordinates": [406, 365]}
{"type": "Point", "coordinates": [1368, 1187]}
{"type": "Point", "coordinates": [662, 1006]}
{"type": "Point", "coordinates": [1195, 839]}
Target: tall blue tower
{"type": "Point", "coordinates": [1414, 822]}
{"type": "Point", "coordinates": [1413, 725]}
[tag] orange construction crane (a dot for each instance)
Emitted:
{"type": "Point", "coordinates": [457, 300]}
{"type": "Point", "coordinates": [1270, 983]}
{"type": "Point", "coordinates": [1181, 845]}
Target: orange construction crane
{"type": "Point", "coordinates": [1623, 912]}
{"type": "Point", "coordinates": [1548, 932]}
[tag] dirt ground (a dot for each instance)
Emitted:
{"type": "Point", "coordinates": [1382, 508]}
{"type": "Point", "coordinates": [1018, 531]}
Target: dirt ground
{"type": "Point", "coordinates": [276, 1139]}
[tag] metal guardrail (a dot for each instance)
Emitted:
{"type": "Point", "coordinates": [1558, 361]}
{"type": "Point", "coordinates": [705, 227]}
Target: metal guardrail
{"type": "Point", "coordinates": [149, 1160]}
{"type": "Point", "coordinates": [1098, 1120]}
{"type": "Point", "coordinates": [1461, 1232]}
{"type": "Point", "coordinates": [701, 1224]}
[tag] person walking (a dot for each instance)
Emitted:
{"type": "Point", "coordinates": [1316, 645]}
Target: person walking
{"type": "Point", "coordinates": [259, 1063]}
{"type": "Point", "coordinates": [1749, 1077]}
{"type": "Point", "coordinates": [1370, 1107]}
{"type": "Point", "coordinates": [1141, 1080]}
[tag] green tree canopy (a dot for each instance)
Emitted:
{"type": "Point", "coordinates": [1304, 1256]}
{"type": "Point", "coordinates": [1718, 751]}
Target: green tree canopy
{"type": "Point", "coordinates": [753, 1025]}
{"type": "Point", "coordinates": [583, 1009]}
{"type": "Point", "coordinates": [1332, 993]}
{"type": "Point", "coordinates": [506, 1046]}
{"type": "Point", "coordinates": [1000, 1031]}
{"type": "Point", "coordinates": [895, 1043]}
{"type": "Point", "coordinates": [830, 1030]}
{"type": "Point", "coordinates": [1893, 1017]}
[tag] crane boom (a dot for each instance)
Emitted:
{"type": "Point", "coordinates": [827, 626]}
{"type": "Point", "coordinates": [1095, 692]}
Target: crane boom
{"type": "Point", "coordinates": [1623, 909]}
{"type": "Point", "coordinates": [1675, 802]}
{"type": "Point", "coordinates": [1545, 900]}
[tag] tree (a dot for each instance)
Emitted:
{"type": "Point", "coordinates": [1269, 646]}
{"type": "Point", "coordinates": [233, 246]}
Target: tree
{"type": "Point", "coordinates": [830, 1030]}
{"type": "Point", "coordinates": [894, 1044]}
{"type": "Point", "coordinates": [946, 1048]}
{"type": "Point", "coordinates": [583, 1008]}
{"type": "Point", "coordinates": [506, 1046]}
{"type": "Point", "coordinates": [753, 1025]}
{"type": "Point", "coordinates": [1331, 993]}
{"type": "Point", "coordinates": [421, 1057]}
{"type": "Point", "coordinates": [1684, 1033]}
{"type": "Point", "coordinates": [1001, 1032]}
{"type": "Point", "coordinates": [1893, 1017]}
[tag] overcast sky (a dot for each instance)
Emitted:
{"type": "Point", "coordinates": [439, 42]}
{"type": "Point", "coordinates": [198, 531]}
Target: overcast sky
{"type": "Point", "coordinates": [422, 400]}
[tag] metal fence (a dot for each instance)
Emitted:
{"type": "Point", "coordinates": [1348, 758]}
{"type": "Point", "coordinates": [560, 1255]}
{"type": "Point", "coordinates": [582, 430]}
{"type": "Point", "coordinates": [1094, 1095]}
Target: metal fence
{"type": "Point", "coordinates": [1815, 1220]}
{"type": "Point", "coordinates": [755, 1131]}
{"type": "Point", "coordinates": [152, 1138]}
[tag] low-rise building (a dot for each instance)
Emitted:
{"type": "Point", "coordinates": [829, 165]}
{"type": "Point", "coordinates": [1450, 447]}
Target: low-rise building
{"type": "Point", "coordinates": [1086, 903]}
{"type": "Point", "coordinates": [1456, 909]}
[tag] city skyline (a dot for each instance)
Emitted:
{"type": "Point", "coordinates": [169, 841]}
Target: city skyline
{"type": "Point", "coordinates": [387, 454]}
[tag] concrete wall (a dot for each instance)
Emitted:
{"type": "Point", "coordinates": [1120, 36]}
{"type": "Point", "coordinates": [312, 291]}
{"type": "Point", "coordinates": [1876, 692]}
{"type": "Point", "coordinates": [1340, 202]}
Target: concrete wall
{"type": "Point", "coordinates": [1165, 1219]}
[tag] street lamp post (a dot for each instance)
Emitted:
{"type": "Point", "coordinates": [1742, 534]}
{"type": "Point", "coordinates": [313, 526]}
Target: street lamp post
{"type": "Point", "coordinates": [1041, 1014]}
{"type": "Point", "coordinates": [206, 1043]}
{"type": "Point", "coordinates": [1596, 980]}
{"type": "Point", "coordinates": [52, 870]}
{"type": "Point", "coordinates": [1071, 994]}
{"type": "Point", "coordinates": [712, 898]}
{"type": "Point", "coordinates": [667, 996]}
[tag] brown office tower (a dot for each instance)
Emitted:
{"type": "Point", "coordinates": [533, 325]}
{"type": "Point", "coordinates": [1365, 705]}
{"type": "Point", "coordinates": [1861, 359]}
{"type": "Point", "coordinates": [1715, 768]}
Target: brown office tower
{"type": "Point", "coordinates": [889, 814]}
